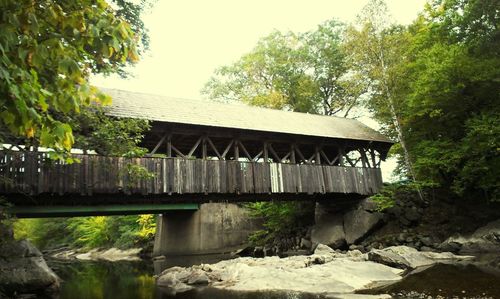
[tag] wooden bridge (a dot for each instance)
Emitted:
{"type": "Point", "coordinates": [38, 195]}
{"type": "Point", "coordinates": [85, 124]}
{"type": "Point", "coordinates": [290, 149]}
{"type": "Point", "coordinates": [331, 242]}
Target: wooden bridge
{"type": "Point", "coordinates": [33, 175]}
{"type": "Point", "coordinates": [200, 152]}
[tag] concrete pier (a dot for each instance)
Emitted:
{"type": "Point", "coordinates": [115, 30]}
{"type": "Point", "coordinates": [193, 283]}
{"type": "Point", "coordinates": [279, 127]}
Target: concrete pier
{"type": "Point", "coordinates": [214, 228]}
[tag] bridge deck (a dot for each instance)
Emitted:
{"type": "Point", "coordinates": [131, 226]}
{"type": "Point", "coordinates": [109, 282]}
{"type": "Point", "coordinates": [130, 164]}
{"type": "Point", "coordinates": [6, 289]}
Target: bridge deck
{"type": "Point", "coordinates": [31, 174]}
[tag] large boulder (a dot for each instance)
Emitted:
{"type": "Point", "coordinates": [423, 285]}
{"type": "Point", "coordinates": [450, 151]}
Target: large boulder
{"type": "Point", "coordinates": [405, 257]}
{"type": "Point", "coordinates": [322, 249]}
{"type": "Point", "coordinates": [388, 258]}
{"type": "Point", "coordinates": [23, 270]}
{"type": "Point", "coordinates": [324, 272]}
{"type": "Point", "coordinates": [329, 231]}
{"type": "Point", "coordinates": [359, 223]}
{"type": "Point", "coordinates": [484, 239]}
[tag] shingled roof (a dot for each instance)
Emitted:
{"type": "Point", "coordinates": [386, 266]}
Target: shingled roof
{"type": "Point", "coordinates": [236, 116]}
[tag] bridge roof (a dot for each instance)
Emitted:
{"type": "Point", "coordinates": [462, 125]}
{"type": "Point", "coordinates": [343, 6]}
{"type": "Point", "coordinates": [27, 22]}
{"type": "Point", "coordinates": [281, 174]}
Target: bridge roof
{"type": "Point", "coordinates": [236, 116]}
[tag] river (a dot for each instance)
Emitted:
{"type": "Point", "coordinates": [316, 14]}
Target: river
{"type": "Point", "coordinates": [134, 280]}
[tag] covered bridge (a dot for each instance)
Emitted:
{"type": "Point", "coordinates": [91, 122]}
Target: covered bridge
{"type": "Point", "coordinates": [208, 151]}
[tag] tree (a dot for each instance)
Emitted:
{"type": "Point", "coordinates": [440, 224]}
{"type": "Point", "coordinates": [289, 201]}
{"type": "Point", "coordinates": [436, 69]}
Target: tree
{"type": "Point", "coordinates": [338, 90]}
{"type": "Point", "coordinates": [94, 130]}
{"type": "Point", "coordinates": [299, 72]}
{"type": "Point", "coordinates": [48, 50]}
{"type": "Point", "coordinates": [434, 86]}
{"type": "Point", "coordinates": [272, 75]}
{"type": "Point", "coordinates": [377, 53]}
{"type": "Point", "coordinates": [453, 102]}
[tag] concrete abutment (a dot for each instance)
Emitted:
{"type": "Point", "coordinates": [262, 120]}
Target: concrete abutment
{"type": "Point", "coordinates": [213, 228]}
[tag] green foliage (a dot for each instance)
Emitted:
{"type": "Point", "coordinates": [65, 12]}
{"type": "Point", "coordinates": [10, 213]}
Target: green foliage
{"type": "Point", "coordinates": [387, 196]}
{"type": "Point", "coordinates": [299, 72]}
{"type": "Point", "coordinates": [280, 218]}
{"type": "Point", "coordinates": [137, 173]}
{"type": "Point", "coordinates": [44, 233]}
{"type": "Point", "coordinates": [480, 149]}
{"type": "Point", "coordinates": [48, 49]}
{"type": "Point", "coordinates": [453, 100]}
{"type": "Point", "coordinates": [88, 232]}
{"type": "Point", "coordinates": [147, 226]}
{"type": "Point", "coordinates": [108, 136]}
{"type": "Point", "coordinates": [434, 87]}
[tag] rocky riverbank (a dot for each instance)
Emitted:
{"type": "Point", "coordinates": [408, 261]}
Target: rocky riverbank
{"type": "Point", "coordinates": [326, 271]}
{"type": "Point", "coordinates": [434, 224]}
{"type": "Point", "coordinates": [23, 269]}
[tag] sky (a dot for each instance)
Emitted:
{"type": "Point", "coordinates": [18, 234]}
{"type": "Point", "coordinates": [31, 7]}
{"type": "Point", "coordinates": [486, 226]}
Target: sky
{"type": "Point", "coordinates": [191, 38]}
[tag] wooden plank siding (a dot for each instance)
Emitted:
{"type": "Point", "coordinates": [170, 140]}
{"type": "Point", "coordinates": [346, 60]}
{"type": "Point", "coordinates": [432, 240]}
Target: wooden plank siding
{"type": "Point", "coordinates": [33, 174]}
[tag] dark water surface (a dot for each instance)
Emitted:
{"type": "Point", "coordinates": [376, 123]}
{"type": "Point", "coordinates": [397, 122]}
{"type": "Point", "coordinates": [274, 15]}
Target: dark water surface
{"type": "Point", "coordinates": [450, 281]}
{"type": "Point", "coordinates": [134, 280]}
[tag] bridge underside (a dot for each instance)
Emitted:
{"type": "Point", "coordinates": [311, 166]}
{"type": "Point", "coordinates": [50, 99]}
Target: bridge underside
{"type": "Point", "coordinates": [53, 205]}
{"type": "Point", "coordinates": [97, 210]}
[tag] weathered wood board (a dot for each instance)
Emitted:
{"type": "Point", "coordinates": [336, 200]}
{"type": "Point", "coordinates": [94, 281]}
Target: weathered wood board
{"type": "Point", "coordinates": [33, 173]}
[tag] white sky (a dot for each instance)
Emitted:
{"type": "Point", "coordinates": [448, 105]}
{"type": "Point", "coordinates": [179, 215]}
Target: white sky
{"type": "Point", "coordinates": [191, 38]}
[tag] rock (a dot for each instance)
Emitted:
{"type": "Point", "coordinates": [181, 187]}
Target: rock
{"type": "Point", "coordinates": [175, 280]}
{"type": "Point", "coordinates": [404, 221]}
{"type": "Point", "coordinates": [317, 274]}
{"type": "Point", "coordinates": [402, 237]}
{"type": "Point", "coordinates": [329, 231]}
{"type": "Point", "coordinates": [358, 223]}
{"type": "Point", "coordinates": [368, 205]}
{"type": "Point", "coordinates": [258, 251]}
{"type": "Point", "coordinates": [6, 231]}
{"type": "Point", "coordinates": [308, 233]}
{"type": "Point", "coordinates": [491, 229]}
{"type": "Point", "coordinates": [269, 251]}
{"type": "Point", "coordinates": [198, 278]}
{"type": "Point", "coordinates": [395, 210]}
{"type": "Point", "coordinates": [425, 248]}
{"type": "Point", "coordinates": [484, 239]}
{"type": "Point", "coordinates": [356, 255]}
{"type": "Point", "coordinates": [450, 246]}
{"type": "Point", "coordinates": [417, 258]}
{"type": "Point", "coordinates": [323, 249]}
{"type": "Point", "coordinates": [388, 258]}
{"type": "Point", "coordinates": [412, 214]}
{"type": "Point", "coordinates": [426, 241]}
{"type": "Point", "coordinates": [357, 248]}
{"type": "Point", "coordinates": [24, 270]}
{"type": "Point", "coordinates": [305, 244]}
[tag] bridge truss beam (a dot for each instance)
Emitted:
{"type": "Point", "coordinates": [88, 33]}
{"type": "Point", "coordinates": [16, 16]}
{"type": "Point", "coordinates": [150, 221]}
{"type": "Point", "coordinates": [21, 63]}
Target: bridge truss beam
{"type": "Point", "coordinates": [267, 151]}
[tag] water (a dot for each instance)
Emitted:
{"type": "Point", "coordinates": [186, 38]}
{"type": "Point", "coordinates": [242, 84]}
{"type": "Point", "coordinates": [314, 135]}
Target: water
{"type": "Point", "coordinates": [450, 281]}
{"type": "Point", "coordinates": [134, 280]}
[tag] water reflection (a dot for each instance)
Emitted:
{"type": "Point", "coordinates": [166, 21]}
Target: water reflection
{"type": "Point", "coordinates": [134, 280]}
{"type": "Point", "coordinates": [210, 293]}
{"type": "Point", "coordinates": [100, 280]}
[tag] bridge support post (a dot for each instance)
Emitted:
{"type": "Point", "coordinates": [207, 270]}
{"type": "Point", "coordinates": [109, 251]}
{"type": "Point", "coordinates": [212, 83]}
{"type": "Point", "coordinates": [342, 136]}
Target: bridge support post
{"type": "Point", "coordinates": [214, 228]}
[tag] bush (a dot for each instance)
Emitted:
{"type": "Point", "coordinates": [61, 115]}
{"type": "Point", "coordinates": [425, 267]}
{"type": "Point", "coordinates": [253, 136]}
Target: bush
{"type": "Point", "coordinates": [88, 232]}
{"type": "Point", "coordinates": [280, 218]}
{"type": "Point", "coordinates": [387, 196]}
